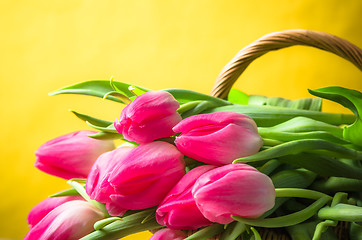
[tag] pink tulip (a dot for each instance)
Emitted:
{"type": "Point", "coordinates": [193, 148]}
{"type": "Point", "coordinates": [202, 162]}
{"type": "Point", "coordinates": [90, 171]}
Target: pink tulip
{"type": "Point", "coordinates": [150, 116]}
{"type": "Point", "coordinates": [168, 234]}
{"type": "Point", "coordinates": [234, 189]}
{"type": "Point", "coordinates": [218, 138]}
{"type": "Point", "coordinates": [135, 178]}
{"type": "Point", "coordinates": [71, 155]}
{"type": "Point", "coordinates": [71, 220]}
{"type": "Point", "coordinates": [178, 210]}
{"type": "Point", "coordinates": [97, 185]}
{"type": "Point", "coordinates": [38, 212]}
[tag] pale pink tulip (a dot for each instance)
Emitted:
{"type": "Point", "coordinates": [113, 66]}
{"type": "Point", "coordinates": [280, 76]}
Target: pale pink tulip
{"type": "Point", "coordinates": [168, 234]}
{"type": "Point", "coordinates": [234, 189]}
{"type": "Point", "coordinates": [150, 116]}
{"type": "Point", "coordinates": [69, 221]}
{"type": "Point", "coordinates": [38, 212]}
{"type": "Point", "coordinates": [178, 210]}
{"type": "Point", "coordinates": [71, 155]}
{"type": "Point", "coordinates": [135, 178]}
{"type": "Point", "coordinates": [218, 138]}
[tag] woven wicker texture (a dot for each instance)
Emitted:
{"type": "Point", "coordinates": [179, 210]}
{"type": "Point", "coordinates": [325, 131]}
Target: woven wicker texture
{"type": "Point", "coordinates": [277, 40]}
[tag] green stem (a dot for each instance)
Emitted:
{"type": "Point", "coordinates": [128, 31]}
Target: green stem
{"type": "Point", "coordinates": [322, 227]}
{"type": "Point", "coordinates": [271, 142]}
{"type": "Point", "coordinates": [301, 193]}
{"type": "Point", "coordinates": [256, 234]}
{"type": "Point", "coordinates": [118, 229]}
{"type": "Point", "coordinates": [104, 222]}
{"type": "Point", "coordinates": [206, 232]}
{"type": "Point", "coordinates": [287, 220]}
{"type": "Point", "coordinates": [341, 212]}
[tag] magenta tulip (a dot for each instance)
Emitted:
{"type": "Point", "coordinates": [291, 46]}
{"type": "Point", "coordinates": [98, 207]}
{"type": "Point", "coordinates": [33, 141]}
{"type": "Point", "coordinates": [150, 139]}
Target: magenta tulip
{"type": "Point", "coordinates": [168, 234]}
{"type": "Point", "coordinates": [135, 178]}
{"type": "Point", "coordinates": [38, 212]}
{"type": "Point", "coordinates": [150, 116]}
{"type": "Point", "coordinates": [97, 185]}
{"type": "Point", "coordinates": [178, 210]}
{"type": "Point", "coordinates": [218, 138]}
{"type": "Point", "coordinates": [71, 155]}
{"type": "Point", "coordinates": [69, 221]}
{"type": "Point", "coordinates": [234, 189]}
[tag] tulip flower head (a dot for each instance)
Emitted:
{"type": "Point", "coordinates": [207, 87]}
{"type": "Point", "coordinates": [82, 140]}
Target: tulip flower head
{"type": "Point", "coordinates": [233, 189]}
{"type": "Point", "coordinates": [218, 138]}
{"type": "Point", "coordinates": [178, 210]}
{"type": "Point", "coordinates": [150, 116]}
{"type": "Point", "coordinates": [71, 155]}
{"type": "Point", "coordinates": [69, 221]}
{"type": "Point", "coordinates": [38, 212]}
{"type": "Point", "coordinates": [136, 177]}
{"type": "Point", "coordinates": [168, 234]}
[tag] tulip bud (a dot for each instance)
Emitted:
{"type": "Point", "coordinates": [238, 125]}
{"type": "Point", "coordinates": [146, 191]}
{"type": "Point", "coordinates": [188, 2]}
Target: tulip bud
{"type": "Point", "coordinates": [218, 138]}
{"type": "Point", "coordinates": [168, 234]}
{"type": "Point", "coordinates": [38, 212]}
{"type": "Point", "coordinates": [178, 210]}
{"type": "Point", "coordinates": [97, 185]}
{"type": "Point", "coordinates": [135, 178]}
{"type": "Point", "coordinates": [150, 116]}
{"type": "Point", "coordinates": [234, 189]}
{"type": "Point", "coordinates": [71, 155]}
{"type": "Point", "coordinates": [69, 221]}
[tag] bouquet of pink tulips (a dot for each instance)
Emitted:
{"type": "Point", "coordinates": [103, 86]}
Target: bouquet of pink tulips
{"type": "Point", "coordinates": [189, 161]}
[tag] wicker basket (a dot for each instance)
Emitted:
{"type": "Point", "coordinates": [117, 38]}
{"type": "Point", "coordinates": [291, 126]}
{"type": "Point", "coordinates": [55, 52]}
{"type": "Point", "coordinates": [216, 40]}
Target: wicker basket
{"type": "Point", "coordinates": [274, 41]}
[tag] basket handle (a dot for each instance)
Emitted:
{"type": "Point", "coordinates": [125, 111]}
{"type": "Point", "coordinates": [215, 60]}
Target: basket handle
{"type": "Point", "coordinates": [277, 40]}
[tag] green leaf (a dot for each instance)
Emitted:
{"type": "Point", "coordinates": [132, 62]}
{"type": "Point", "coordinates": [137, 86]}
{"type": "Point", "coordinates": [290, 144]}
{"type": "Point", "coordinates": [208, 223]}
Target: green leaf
{"type": "Point", "coordinates": [68, 192]}
{"type": "Point", "coordinates": [97, 88]}
{"type": "Point", "coordinates": [322, 165]}
{"type": "Point", "coordinates": [185, 96]}
{"type": "Point", "coordinates": [267, 116]}
{"type": "Point", "coordinates": [238, 97]}
{"type": "Point", "coordinates": [198, 108]}
{"type": "Point", "coordinates": [350, 99]}
{"type": "Point", "coordinates": [335, 184]}
{"type": "Point", "coordinates": [293, 178]}
{"type": "Point", "coordinates": [291, 136]}
{"type": "Point", "coordinates": [92, 120]}
{"type": "Point", "coordinates": [298, 146]}
{"type": "Point", "coordinates": [313, 104]}
{"type": "Point", "coordinates": [106, 136]}
{"type": "Point", "coordinates": [302, 124]}
{"type": "Point", "coordinates": [118, 95]}
{"type": "Point", "coordinates": [109, 129]}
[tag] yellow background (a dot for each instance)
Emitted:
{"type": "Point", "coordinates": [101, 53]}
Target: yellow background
{"type": "Point", "coordinates": [45, 45]}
